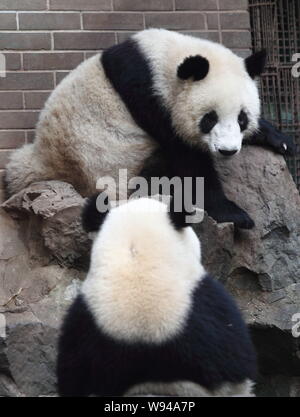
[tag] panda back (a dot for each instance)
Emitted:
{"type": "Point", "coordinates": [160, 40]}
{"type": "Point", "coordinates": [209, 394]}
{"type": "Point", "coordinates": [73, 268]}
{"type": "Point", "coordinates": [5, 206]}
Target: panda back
{"type": "Point", "coordinates": [217, 334]}
{"type": "Point", "coordinates": [212, 355]}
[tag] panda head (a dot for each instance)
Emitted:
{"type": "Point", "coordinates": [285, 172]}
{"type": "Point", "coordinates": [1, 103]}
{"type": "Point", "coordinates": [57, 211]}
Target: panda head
{"type": "Point", "coordinates": [221, 99]}
{"type": "Point", "coordinates": [141, 223]}
{"type": "Point", "coordinates": [145, 263]}
{"type": "Point", "coordinates": [210, 92]}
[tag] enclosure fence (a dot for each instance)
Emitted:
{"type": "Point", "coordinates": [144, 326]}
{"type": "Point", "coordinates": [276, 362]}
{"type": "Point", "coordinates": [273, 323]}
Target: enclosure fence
{"type": "Point", "coordinates": [275, 25]}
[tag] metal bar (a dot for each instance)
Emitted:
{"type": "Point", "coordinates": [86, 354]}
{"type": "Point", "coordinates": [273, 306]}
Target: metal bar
{"type": "Point", "coordinates": [276, 26]}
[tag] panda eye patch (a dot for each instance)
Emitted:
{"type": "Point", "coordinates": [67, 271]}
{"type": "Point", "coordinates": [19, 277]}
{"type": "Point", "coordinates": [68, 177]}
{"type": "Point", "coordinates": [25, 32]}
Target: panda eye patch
{"type": "Point", "coordinates": [243, 120]}
{"type": "Point", "coordinates": [208, 121]}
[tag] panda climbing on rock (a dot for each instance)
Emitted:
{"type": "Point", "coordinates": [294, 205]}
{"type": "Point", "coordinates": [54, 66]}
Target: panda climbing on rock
{"type": "Point", "coordinates": [148, 318]}
{"type": "Point", "coordinates": [159, 104]}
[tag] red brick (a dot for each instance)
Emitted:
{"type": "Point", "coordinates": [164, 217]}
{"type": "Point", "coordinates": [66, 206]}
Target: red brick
{"type": "Point", "coordinates": [83, 40]}
{"type": "Point", "coordinates": [243, 53]}
{"type": "Point", "coordinates": [233, 4]}
{"type": "Point", "coordinates": [13, 61]}
{"type": "Point", "coordinates": [175, 20]}
{"type": "Point", "coordinates": [4, 157]}
{"type": "Point", "coordinates": [49, 21]}
{"type": "Point", "coordinates": [23, 4]}
{"type": "Point", "coordinates": [11, 100]}
{"type": "Point", "coordinates": [36, 99]}
{"type": "Point", "coordinates": [212, 20]}
{"type": "Point", "coordinates": [196, 4]}
{"type": "Point", "coordinates": [8, 21]}
{"type": "Point", "coordinates": [27, 81]}
{"type": "Point", "coordinates": [80, 5]}
{"type": "Point", "coordinates": [211, 36]}
{"type": "Point", "coordinates": [111, 21]}
{"type": "Point", "coordinates": [2, 196]}
{"type": "Point", "coordinates": [18, 119]}
{"type": "Point", "coordinates": [30, 135]}
{"type": "Point", "coordinates": [11, 139]}
{"type": "Point", "coordinates": [142, 5]}
{"type": "Point", "coordinates": [52, 61]}
{"type": "Point", "coordinates": [240, 40]}
{"type": "Point", "coordinates": [25, 41]}
{"type": "Point", "coordinates": [123, 36]}
{"type": "Point", "coordinates": [235, 20]}
{"type": "Point", "coordinates": [2, 185]}
{"type": "Point", "coordinates": [90, 54]}
{"type": "Point", "coordinates": [60, 75]}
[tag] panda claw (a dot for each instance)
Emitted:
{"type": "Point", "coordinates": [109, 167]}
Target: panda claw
{"type": "Point", "coordinates": [280, 142]}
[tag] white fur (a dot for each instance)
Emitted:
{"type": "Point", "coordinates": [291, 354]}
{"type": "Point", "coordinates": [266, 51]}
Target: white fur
{"type": "Point", "coordinates": [86, 132]}
{"type": "Point", "coordinates": [142, 273]}
{"type": "Point", "coordinates": [190, 389]}
{"type": "Point", "coordinates": [227, 88]}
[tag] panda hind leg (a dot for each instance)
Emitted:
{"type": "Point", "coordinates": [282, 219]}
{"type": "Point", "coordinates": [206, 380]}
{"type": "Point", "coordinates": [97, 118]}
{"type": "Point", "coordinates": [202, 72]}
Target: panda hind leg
{"type": "Point", "coordinates": [23, 168]}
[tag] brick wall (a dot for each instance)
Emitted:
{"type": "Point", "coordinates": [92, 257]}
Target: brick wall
{"type": "Point", "coordinates": [44, 39]}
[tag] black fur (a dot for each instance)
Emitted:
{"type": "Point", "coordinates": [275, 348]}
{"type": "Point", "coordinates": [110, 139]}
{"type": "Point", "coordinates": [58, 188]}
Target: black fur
{"type": "Point", "coordinates": [214, 347]}
{"type": "Point", "coordinates": [270, 137]}
{"type": "Point", "coordinates": [255, 64]}
{"type": "Point", "coordinates": [179, 218]}
{"type": "Point", "coordinates": [91, 218]}
{"type": "Point", "coordinates": [243, 120]}
{"type": "Point", "coordinates": [130, 74]}
{"type": "Point", "coordinates": [184, 162]}
{"type": "Point", "coordinates": [195, 67]}
{"type": "Point", "coordinates": [208, 121]}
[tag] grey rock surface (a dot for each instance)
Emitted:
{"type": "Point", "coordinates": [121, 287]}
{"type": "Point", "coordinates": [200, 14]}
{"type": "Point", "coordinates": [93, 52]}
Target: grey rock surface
{"type": "Point", "coordinates": [35, 286]}
{"type": "Point", "coordinates": [259, 181]}
{"type": "Point", "coordinates": [54, 212]}
{"type": "Point", "coordinates": [44, 255]}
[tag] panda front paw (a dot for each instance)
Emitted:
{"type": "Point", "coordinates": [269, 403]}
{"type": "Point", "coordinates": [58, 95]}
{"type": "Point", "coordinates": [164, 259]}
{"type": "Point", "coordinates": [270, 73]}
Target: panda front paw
{"type": "Point", "coordinates": [229, 212]}
{"type": "Point", "coordinates": [278, 141]}
{"type": "Point", "coordinates": [243, 221]}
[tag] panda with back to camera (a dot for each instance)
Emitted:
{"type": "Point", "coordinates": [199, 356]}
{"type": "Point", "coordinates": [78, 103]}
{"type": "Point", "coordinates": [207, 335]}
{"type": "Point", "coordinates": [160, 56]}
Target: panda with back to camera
{"type": "Point", "coordinates": [159, 104]}
{"type": "Point", "coordinates": [148, 318]}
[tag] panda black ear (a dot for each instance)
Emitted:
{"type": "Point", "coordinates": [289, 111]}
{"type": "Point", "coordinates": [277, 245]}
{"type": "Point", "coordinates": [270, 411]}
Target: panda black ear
{"type": "Point", "coordinates": [94, 212]}
{"type": "Point", "coordinates": [255, 64]}
{"type": "Point", "coordinates": [178, 214]}
{"type": "Point", "coordinates": [193, 66]}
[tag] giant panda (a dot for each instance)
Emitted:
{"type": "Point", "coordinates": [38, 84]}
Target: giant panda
{"type": "Point", "coordinates": [148, 318]}
{"type": "Point", "coordinates": [160, 104]}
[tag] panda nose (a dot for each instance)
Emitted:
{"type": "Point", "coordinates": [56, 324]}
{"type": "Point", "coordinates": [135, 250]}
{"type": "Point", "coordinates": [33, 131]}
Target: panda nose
{"type": "Point", "coordinates": [227, 153]}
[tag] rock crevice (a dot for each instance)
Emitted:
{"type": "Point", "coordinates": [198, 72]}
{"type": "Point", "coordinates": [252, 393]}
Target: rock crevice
{"type": "Point", "coordinates": [44, 255]}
